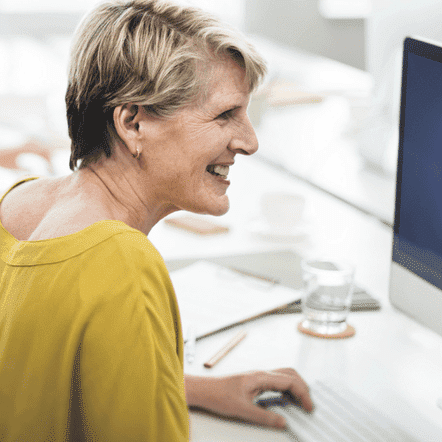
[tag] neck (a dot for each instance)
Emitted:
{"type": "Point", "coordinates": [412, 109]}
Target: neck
{"type": "Point", "coordinates": [121, 188]}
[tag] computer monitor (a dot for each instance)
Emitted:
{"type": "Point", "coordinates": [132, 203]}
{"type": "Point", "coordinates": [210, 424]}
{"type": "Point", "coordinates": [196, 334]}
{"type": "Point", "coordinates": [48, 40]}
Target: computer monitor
{"type": "Point", "coordinates": [416, 269]}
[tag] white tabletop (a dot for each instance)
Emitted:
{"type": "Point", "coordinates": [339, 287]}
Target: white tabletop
{"type": "Point", "coordinates": [392, 361]}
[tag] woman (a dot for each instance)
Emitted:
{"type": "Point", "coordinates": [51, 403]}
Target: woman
{"type": "Point", "coordinates": [91, 343]}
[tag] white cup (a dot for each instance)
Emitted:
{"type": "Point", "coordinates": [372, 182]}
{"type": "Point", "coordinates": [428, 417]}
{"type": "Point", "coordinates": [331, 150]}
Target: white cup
{"type": "Point", "coordinates": [282, 211]}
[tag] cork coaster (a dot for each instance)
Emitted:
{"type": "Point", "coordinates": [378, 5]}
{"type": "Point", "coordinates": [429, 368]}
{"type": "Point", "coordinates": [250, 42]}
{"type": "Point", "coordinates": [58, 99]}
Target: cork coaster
{"type": "Point", "coordinates": [347, 333]}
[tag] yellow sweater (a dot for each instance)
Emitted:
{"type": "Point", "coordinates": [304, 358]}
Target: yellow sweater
{"type": "Point", "coordinates": [91, 347]}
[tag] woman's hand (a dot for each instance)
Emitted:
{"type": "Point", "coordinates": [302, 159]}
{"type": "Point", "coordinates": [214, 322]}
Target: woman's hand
{"type": "Point", "coordinates": [233, 395]}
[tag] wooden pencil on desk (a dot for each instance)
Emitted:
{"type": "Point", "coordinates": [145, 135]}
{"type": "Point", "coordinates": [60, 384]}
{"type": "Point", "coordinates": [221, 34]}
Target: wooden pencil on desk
{"type": "Point", "coordinates": [254, 275]}
{"type": "Point", "coordinates": [226, 349]}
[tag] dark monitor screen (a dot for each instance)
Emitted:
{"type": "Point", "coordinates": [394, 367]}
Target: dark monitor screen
{"type": "Point", "coordinates": [417, 242]}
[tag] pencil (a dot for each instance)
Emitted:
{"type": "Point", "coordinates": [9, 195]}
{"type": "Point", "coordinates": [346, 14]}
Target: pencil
{"type": "Point", "coordinates": [228, 347]}
{"type": "Point", "coordinates": [255, 275]}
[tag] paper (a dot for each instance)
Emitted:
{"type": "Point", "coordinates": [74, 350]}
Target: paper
{"type": "Point", "coordinates": [212, 297]}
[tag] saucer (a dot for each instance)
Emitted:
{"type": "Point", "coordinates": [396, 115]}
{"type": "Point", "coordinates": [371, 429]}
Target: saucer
{"type": "Point", "coordinates": [264, 230]}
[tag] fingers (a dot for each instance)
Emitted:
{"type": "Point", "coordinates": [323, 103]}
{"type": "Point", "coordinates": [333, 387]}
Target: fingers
{"type": "Point", "coordinates": [260, 416]}
{"type": "Point", "coordinates": [232, 395]}
{"type": "Point", "coordinates": [287, 379]}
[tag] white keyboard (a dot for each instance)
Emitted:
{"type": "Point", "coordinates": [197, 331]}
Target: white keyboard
{"type": "Point", "coordinates": [339, 416]}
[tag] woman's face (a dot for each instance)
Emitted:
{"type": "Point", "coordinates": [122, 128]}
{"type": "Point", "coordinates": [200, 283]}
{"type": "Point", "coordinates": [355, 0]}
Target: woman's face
{"type": "Point", "coordinates": [187, 156]}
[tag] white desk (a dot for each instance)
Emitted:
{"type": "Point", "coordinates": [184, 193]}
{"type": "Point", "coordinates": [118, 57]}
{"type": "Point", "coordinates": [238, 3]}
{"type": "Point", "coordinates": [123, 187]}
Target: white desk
{"type": "Point", "coordinates": [390, 355]}
{"type": "Point", "coordinates": [391, 361]}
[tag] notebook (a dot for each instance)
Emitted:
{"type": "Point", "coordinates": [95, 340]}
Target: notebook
{"type": "Point", "coordinates": [282, 267]}
{"type": "Point", "coordinates": [213, 297]}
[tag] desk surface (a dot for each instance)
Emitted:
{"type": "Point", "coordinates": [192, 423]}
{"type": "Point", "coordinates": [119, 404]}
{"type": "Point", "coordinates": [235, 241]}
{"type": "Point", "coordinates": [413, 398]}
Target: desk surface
{"type": "Point", "coordinates": [392, 361]}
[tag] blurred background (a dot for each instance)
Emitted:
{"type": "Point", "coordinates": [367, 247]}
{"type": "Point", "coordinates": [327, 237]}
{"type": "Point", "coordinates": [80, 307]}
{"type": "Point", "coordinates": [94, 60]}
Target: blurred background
{"type": "Point", "coordinates": [328, 112]}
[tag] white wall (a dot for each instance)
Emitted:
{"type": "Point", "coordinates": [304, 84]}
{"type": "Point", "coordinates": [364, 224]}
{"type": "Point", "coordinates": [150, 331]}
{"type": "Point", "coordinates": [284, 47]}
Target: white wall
{"type": "Point", "coordinates": [299, 23]}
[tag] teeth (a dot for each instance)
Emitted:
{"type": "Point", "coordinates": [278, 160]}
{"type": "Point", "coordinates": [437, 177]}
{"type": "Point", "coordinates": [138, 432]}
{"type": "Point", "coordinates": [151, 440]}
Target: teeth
{"type": "Point", "coordinates": [223, 171]}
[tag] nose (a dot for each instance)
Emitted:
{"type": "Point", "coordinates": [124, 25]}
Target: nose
{"type": "Point", "coordinates": [244, 140]}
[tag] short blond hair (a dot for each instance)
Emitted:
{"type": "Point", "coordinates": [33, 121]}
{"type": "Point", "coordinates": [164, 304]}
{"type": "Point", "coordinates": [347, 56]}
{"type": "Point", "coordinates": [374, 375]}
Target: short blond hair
{"type": "Point", "coordinates": [147, 52]}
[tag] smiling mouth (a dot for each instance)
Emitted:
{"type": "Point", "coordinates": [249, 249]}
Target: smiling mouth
{"type": "Point", "coordinates": [218, 170]}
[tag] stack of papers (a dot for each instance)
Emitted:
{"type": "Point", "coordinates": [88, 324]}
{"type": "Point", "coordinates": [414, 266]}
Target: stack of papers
{"type": "Point", "coordinates": [212, 298]}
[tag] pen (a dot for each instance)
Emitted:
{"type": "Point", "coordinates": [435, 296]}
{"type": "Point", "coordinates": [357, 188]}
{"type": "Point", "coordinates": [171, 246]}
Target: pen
{"type": "Point", "coordinates": [228, 347]}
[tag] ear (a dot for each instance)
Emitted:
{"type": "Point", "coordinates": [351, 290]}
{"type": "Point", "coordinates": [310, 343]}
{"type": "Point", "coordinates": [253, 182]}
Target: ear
{"type": "Point", "coordinates": [127, 119]}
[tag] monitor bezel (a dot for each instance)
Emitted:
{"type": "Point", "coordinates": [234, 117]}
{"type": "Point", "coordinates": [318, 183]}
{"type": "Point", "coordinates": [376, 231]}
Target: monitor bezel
{"type": "Point", "coordinates": [410, 292]}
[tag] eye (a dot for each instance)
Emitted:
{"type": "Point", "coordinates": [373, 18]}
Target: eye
{"type": "Point", "coordinates": [227, 114]}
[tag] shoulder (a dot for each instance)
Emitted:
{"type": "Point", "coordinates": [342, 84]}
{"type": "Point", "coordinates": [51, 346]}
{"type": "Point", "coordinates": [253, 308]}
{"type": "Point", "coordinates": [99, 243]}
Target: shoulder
{"type": "Point", "coordinates": [126, 276]}
{"type": "Point", "coordinates": [126, 262]}
{"type": "Point", "coordinates": [24, 204]}
{"type": "Point", "coordinates": [14, 196]}
{"type": "Point", "coordinates": [21, 187]}
{"type": "Point", "coordinates": [131, 248]}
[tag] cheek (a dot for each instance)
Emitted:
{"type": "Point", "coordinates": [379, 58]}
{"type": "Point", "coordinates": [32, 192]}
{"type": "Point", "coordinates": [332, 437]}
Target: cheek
{"type": "Point", "coordinates": [205, 140]}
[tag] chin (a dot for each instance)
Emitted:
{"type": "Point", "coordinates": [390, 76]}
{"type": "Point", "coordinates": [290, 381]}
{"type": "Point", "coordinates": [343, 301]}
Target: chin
{"type": "Point", "coordinates": [214, 206]}
{"type": "Point", "coordinates": [218, 210]}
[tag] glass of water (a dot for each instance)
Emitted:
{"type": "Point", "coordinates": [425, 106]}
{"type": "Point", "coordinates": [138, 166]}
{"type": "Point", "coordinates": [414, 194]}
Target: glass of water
{"type": "Point", "coordinates": [328, 291]}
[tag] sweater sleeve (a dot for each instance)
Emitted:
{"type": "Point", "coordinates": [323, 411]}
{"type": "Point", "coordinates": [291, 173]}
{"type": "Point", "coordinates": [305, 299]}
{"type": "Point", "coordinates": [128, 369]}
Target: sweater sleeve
{"type": "Point", "coordinates": [130, 377]}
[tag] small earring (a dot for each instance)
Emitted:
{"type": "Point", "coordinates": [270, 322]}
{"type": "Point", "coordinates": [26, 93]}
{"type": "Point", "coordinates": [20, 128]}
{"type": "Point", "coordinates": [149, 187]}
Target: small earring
{"type": "Point", "coordinates": [137, 156]}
